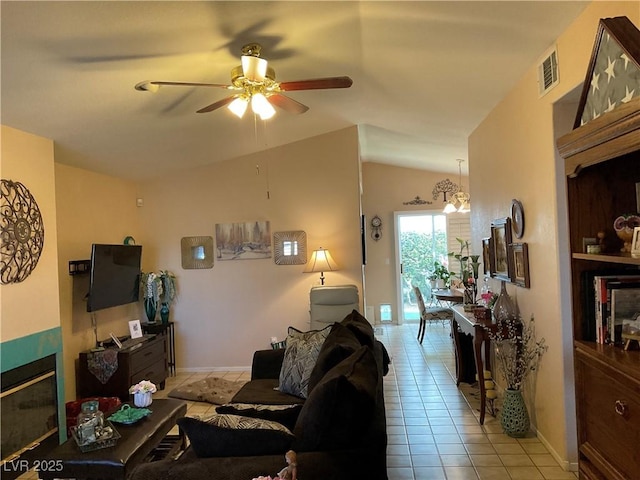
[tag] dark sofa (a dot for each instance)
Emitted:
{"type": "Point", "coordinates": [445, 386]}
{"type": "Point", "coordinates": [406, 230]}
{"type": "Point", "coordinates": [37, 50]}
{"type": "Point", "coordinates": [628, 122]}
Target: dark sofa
{"type": "Point", "coordinates": [339, 429]}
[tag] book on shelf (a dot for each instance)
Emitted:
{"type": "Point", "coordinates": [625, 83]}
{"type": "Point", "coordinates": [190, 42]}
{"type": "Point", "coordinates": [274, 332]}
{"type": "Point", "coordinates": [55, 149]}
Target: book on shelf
{"type": "Point", "coordinates": [603, 286]}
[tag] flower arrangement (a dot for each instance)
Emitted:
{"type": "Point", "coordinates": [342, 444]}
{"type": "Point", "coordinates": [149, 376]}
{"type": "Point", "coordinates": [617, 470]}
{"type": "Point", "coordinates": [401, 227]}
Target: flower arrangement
{"type": "Point", "coordinates": [151, 285]}
{"type": "Point", "coordinates": [159, 286]}
{"type": "Point", "coordinates": [518, 353]}
{"type": "Point", "coordinates": [469, 267]}
{"type": "Point", "coordinates": [145, 386]}
{"type": "Point", "coordinates": [168, 281]}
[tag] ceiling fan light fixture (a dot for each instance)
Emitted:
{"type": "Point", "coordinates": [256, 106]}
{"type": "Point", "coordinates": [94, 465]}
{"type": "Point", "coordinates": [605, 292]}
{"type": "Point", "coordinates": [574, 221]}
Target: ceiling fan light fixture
{"type": "Point", "coordinates": [254, 68]}
{"type": "Point", "coordinates": [238, 106]}
{"type": "Point", "coordinates": [261, 106]}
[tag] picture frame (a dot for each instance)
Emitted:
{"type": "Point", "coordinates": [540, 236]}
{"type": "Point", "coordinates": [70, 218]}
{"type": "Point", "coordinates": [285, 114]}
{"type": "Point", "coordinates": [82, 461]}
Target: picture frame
{"type": "Point", "coordinates": [501, 266]}
{"type": "Point", "coordinates": [196, 252]}
{"type": "Point", "coordinates": [486, 255]}
{"type": "Point", "coordinates": [519, 253]}
{"type": "Point", "coordinates": [290, 248]}
{"type": "Point", "coordinates": [243, 240]}
{"type": "Point", "coordinates": [635, 243]}
{"type": "Point", "coordinates": [135, 330]}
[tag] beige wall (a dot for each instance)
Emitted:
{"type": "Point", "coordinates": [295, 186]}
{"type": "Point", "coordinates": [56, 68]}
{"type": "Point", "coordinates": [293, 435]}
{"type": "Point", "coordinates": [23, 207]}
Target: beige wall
{"type": "Point", "coordinates": [512, 154]}
{"type": "Point", "coordinates": [92, 208]}
{"type": "Point", "coordinates": [385, 189]}
{"type": "Point", "coordinates": [32, 305]}
{"type": "Point", "coordinates": [225, 313]}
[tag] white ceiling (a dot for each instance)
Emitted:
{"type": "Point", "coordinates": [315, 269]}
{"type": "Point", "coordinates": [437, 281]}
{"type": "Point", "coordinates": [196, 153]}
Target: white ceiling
{"type": "Point", "coordinates": [425, 75]}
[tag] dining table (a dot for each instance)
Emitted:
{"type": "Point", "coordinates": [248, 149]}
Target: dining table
{"type": "Point", "coordinates": [451, 295]}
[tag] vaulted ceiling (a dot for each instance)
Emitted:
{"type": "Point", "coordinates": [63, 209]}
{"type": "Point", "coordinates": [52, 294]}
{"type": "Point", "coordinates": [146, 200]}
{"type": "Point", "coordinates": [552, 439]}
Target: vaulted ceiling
{"type": "Point", "coordinates": [424, 74]}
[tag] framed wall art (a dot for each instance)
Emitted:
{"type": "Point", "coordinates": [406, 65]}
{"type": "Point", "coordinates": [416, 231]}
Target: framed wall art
{"type": "Point", "coordinates": [196, 252]}
{"type": "Point", "coordinates": [243, 240]}
{"type": "Point", "coordinates": [519, 253]}
{"type": "Point", "coordinates": [486, 255]}
{"type": "Point", "coordinates": [501, 267]}
{"type": "Point", "coordinates": [290, 248]}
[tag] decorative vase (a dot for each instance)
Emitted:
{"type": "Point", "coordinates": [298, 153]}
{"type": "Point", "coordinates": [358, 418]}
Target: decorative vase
{"type": "Point", "coordinates": [150, 309]}
{"type": "Point", "coordinates": [515, 417]}
{"type": "Point", "coordinates": [164, 312]}
{"type": "Point", "coordinates": [504, 309]}
{"type": "Point", "coordinates": [142, 399]}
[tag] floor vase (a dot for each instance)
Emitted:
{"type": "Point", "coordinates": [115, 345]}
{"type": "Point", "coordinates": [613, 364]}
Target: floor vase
{"type": "Point", "coordinates": [515, 417]}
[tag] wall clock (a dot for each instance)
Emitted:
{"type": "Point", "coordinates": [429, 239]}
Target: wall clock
{"type": "Point", "coordinates": [517, 218]}
{"type": "Point", "coordinates": [376, 228]}
{"type": "Point", "coordinates": [22, 231]}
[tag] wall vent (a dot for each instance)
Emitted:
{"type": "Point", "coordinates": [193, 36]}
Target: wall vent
{"type": "Point", "coordinates": [548, 72]}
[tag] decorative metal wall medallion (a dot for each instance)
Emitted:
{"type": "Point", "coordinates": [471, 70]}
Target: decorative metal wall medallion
{"type": "Point", "coordinates": [21, 230]}
{"type": "Point", "coordinates": [417, 201]}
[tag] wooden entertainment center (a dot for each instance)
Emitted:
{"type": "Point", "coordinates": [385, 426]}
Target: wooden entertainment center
{"type": "Point", "coordinates": [602, 164]}
{"type": "Point", "coordinates": [144, 361]}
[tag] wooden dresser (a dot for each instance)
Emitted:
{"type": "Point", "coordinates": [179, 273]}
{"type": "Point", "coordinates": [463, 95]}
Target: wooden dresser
{"type": "Point", "coordinates": [144, 361]}
{"type": "Point", "coordinates": [602, 163]}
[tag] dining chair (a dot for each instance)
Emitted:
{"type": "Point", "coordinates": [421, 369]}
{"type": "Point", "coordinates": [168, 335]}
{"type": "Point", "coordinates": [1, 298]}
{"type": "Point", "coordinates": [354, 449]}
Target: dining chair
{"type": "Point", "coordinates": [429, 314]}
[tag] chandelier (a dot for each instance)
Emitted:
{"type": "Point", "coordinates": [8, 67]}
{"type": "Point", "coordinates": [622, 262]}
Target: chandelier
{"type": "Point", "coordinates": [459, 199]}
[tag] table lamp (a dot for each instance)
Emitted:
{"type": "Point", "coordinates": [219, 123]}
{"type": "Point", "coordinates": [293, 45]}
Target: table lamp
{"type": "Point", "coordinates": [321, 261]}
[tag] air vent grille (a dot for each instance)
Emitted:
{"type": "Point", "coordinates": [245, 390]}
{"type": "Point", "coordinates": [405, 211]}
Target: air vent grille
{"type": "Point", "coordinates": [548, 72]}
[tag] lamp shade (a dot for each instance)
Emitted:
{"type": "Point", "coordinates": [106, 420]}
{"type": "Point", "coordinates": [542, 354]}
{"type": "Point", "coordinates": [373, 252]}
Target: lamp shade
{"type": "Point", "coordinates": [321, 261]}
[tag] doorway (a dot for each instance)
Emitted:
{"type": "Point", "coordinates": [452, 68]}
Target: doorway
{"type": "Point", "coordinates": [421, 240]}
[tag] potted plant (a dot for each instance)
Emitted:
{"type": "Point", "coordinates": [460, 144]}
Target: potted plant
{"type": "Point", "coordinates": [168, 294]}
{"type": "Point", "coordinates": [517, 354]}
{"type": "Point", "coordinates": [151, 286]}
{"type": "Point", "coordinates": [469, 267]}
{"type": "Point", "coordinates": [442, 275]}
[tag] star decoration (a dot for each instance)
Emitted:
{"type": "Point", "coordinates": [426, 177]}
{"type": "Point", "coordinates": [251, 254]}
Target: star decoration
{"type": "Point", "coordinates": [610, 69]}
{"type": "Point", "coordinates": [629, 95]}
{"type": "Point", "coordinates": [626, 60]}
{"type": "Point", "coordinates": [594, 82]}
{"type": "Point", "coordinates": [611, 105]}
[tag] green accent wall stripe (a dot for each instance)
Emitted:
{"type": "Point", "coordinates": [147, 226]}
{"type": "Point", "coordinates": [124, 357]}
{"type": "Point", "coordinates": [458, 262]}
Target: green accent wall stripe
{"type": "Point", "coordinates": [23, 350]}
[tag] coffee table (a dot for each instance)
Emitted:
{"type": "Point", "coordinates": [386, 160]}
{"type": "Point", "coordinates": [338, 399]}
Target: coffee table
{"type": "Point", "coordinates": [136, 443]}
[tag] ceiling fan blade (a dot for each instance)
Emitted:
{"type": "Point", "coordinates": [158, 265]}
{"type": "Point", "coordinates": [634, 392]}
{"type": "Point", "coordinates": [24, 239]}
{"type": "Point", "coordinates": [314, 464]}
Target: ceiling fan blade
{"type": "Point", "coordinates": [215, 105]}
{"type": "Point", "coordinates": [153, 86]}
{"type": "Point", "coordinates": [288, 104]}
{"type": "Point", "coordinates": [317, 83]}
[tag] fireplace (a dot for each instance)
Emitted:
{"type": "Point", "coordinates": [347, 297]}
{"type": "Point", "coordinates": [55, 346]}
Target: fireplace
{"type": "Point", "coordinates": [30, 423]}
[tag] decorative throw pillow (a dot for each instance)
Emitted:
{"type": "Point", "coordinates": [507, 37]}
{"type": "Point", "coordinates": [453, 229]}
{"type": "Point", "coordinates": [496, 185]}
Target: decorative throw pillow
{"type": "Point", "coordinates": [299, 359]}
{"type": "Point", "coordinates": [284, 414]}
{"type": "Point", "coordinates": [234, 435]}
{"type": "Point", "coordinates": [340, 343]}
{"type": "Point", "coordinates": [361, 327]}
{"type": "Point", "coordinates": [340, 407]}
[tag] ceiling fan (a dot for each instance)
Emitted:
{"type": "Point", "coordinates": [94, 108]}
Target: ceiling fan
{"type": "Point", "coordinates": [254, 82]}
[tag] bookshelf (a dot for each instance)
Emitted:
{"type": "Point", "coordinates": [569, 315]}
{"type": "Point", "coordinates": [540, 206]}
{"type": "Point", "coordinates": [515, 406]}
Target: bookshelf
{"type": "Point", "coordinates": [602, 164]}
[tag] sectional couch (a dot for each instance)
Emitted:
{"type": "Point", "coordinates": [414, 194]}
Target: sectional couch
{"type": "Point", "coordinates": [334, 419]}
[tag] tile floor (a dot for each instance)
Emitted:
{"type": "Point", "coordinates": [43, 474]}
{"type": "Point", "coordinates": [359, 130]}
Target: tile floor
{"type": "Point", "coordinates": [432, 426]}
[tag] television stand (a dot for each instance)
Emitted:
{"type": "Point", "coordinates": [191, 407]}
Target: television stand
{"type": "Point", "coordinates": [121, 368]}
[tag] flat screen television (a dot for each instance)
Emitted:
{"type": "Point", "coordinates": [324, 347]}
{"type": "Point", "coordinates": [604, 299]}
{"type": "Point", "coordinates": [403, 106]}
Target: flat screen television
{"type": "Point", "coordinates": [115, 276]}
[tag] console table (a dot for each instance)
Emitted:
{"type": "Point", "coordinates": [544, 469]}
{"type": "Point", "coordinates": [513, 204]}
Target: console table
{"type": "Point", "coordinates": [466, 322]}
{"type": "Point", "coordinates": [135, 446]}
